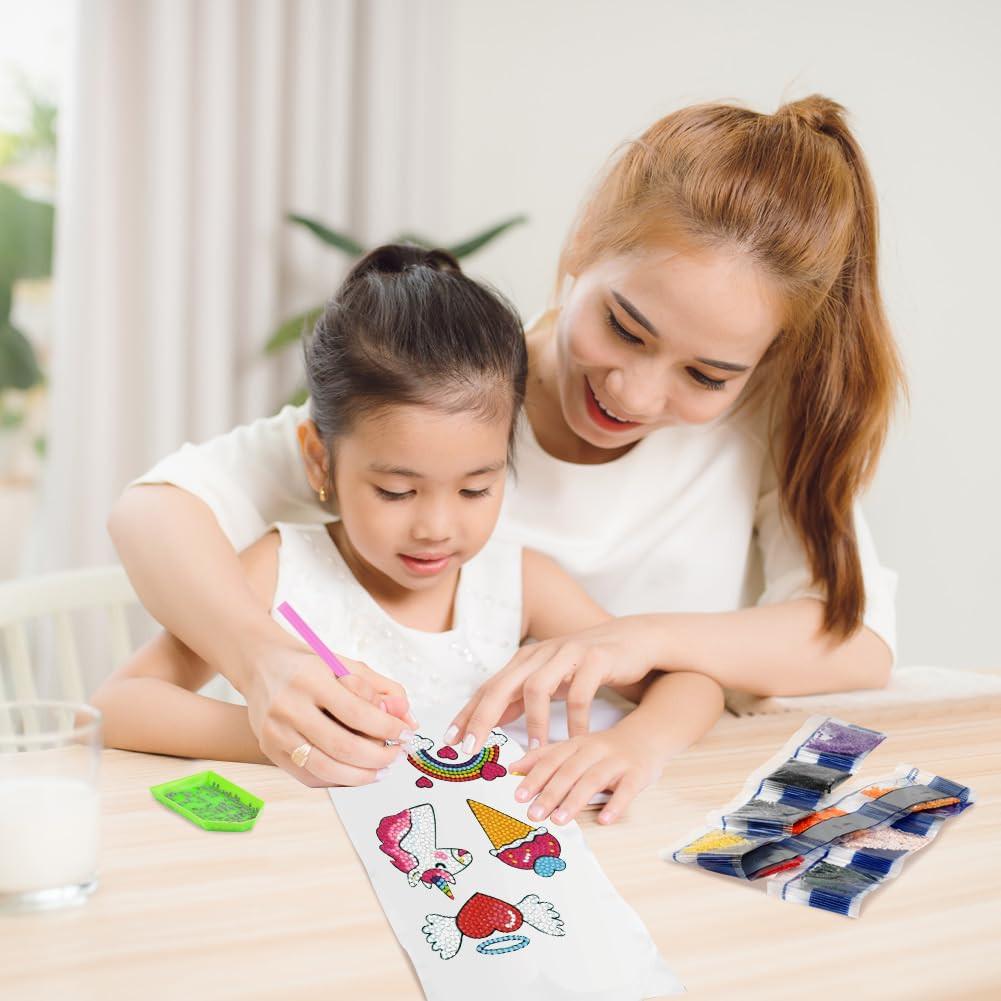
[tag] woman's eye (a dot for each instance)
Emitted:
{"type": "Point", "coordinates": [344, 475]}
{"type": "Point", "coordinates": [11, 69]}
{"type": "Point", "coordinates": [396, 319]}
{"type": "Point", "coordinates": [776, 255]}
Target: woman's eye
{"type": "Point", "coordinates": [705, 381]}
{"type": "Point", "coordinates": [485, 492]}
{"type": "Point", "coordinates": [391, 496]}
{"type": "Point", "coordinates": [619, 330]}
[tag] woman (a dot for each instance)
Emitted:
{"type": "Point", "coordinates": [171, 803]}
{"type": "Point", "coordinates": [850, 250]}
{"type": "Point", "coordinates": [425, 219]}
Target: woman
{"type": "Point", "coordinates": [706, 400]}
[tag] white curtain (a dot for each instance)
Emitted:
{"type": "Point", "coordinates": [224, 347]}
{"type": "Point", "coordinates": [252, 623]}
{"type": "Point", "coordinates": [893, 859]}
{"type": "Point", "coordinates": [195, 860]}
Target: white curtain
{"type": "Point", "coordinates": [190, 129]}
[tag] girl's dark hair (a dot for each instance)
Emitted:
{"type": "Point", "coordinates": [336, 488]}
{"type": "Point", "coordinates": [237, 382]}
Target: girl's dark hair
{"type": "Point", "coordinates": [407, 326]}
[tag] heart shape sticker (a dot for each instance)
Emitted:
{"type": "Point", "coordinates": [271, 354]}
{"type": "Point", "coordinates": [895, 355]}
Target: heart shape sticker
{"type": "Point", "coordinates": [491, 770]}
{"type": "Point", "coordinates": [482, 915]}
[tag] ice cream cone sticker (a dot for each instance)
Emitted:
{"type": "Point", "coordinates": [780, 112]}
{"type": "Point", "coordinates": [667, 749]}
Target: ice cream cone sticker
{"type": "Point", "coordinates": [516, 843]}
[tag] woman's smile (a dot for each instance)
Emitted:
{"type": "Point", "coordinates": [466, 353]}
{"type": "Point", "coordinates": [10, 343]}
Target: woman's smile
{"type": "Point", "coordinates": [602, 415]}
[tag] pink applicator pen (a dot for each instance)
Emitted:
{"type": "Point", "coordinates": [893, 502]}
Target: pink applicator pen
{"type": "Point", "coordinates": [296, 621]}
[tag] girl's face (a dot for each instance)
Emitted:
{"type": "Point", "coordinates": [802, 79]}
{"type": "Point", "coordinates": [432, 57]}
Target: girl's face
{"type": "Point", "coordinates": [418, 490]}
{"type": "Point", "coordinates": [659, 338]}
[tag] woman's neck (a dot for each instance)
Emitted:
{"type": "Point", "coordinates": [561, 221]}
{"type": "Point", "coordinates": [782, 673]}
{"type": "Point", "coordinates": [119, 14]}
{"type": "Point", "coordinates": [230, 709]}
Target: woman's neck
{"type": "Point", "coordinates": [430, 611]}
{"type": "Point", "coordinates": [544, 408]}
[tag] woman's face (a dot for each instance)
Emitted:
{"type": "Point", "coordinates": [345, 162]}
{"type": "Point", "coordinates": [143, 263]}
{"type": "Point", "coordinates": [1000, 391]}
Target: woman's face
{"type": "Point", "coordinates": [648, 340]}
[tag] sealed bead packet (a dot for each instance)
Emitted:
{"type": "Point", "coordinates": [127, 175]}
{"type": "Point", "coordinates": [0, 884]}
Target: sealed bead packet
{"type": "Point", "coordinates": [781, 795]}
{"type": "Point", "coordinates": [874, 805]}
{"type": "Point", "coordinates": [821, 755]}
{"type": "Point", "coordinates": [861, 861]}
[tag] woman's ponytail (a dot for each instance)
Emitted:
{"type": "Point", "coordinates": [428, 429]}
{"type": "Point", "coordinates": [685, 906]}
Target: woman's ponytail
{"type": "Point", "coordinates": [838, 406]}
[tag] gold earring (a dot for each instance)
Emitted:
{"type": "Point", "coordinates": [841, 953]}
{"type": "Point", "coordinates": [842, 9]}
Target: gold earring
{"type": "Point", "coordinates": [323, 495]}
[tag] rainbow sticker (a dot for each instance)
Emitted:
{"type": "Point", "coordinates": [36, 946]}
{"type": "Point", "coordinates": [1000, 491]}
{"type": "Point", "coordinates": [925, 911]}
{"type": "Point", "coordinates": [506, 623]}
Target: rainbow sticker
{"type": "Point", "coordinates": [446, 767]}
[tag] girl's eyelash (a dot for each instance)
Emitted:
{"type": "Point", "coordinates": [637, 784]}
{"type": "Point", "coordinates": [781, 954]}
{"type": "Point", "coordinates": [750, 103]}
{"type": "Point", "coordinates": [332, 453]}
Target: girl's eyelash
{"type": "Point", "coordinates": [619, 330]}
{"type": "Point", "coordinates": [705, 381]}
{"type": "Point", "coordinates": [390, 496]}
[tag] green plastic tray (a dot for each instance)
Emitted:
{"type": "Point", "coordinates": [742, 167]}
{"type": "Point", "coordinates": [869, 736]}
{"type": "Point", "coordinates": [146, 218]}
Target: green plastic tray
{"type": "Point", "coordinates": [210, 801]}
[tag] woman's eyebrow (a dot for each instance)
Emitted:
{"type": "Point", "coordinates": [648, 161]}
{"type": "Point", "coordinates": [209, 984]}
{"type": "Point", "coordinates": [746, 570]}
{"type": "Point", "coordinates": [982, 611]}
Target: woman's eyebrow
{"type": "Point", "coordinates": [634, 313]}
{"type": "Point", "coordinates": [727, 366]}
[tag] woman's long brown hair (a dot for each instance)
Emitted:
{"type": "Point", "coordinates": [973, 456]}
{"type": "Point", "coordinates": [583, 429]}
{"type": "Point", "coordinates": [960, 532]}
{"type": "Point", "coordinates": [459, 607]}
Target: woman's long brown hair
{"type": "Point", "coordinates": [792, 191]}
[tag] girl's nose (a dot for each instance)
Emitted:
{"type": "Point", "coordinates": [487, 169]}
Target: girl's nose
{"type": "Point", "coordinates": [433, 524]}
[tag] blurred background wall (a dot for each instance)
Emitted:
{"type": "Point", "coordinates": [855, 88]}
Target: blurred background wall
{"type": "Point", "coordinates": [189, 129]}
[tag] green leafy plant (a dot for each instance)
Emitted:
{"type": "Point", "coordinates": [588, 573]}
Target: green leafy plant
{"type": "Point", "coordinates": [292, 329]}
{"type": "Point", "coordinates": [26, 229]}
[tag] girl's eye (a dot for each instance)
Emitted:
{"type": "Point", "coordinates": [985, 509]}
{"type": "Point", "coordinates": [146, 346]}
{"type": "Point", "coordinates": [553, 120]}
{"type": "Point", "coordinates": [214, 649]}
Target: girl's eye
{"type": "Point", "coordinates": [705, 381]}
{"type": "Point", "coordinates": [619, 330]}
{"type": "Point", "coordinates": [390, 496]}
{"type": "Point", "coordinates": [485, 492]}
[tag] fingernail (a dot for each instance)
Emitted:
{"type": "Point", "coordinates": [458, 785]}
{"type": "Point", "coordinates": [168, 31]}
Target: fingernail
{"type": "Point", "coordinates": [450, 734]}
{"type": "Point", "coordinates": [514, 771]}
{"type": "Point", "coordinates": [469, 743]}
{"type": "Point", "coordinates": [381, 774]}
{"type": "Point", "coordinates": [384, 707]}
{"type": "Point", "coordinates": [560, 817]}
{"type": "Point", "coordinates": [400, 755]}
{"type": "Point", "coordinates": [536, 812]}
{"type": "Point", "coordinates": [607, 816]}
{"type": "Point", "coordinates": [534, 744]}
{"type": "Point", "coordinates": [405, 736]}
{"type": "Point", "coordinates": [522, 795]}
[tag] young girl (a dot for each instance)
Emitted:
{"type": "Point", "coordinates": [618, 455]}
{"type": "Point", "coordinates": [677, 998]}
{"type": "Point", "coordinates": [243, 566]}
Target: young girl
{"type": "Point", "coordinates": [416, 376]}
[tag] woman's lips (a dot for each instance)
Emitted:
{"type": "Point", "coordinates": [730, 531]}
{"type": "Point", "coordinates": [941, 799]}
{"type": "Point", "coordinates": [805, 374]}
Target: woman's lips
{"type": "Point", "coordinates": [599, 416]}
{"type": "Point", "coordinates": [426, 565]}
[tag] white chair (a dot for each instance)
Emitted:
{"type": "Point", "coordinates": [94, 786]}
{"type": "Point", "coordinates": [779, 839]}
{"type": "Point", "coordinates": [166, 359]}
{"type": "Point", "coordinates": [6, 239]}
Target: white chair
{"type": "Point", "coordinates": [28, 601]}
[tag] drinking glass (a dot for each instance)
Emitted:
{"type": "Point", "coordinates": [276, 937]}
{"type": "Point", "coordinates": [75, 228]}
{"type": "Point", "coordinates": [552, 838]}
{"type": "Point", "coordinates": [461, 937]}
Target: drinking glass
{"type": "Point", "coordinates": [49, 805]}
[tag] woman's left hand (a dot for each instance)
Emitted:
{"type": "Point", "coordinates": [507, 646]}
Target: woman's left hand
{"type": "Point", "coordinates": [563, 777]}
{"type": "Point", "coordinates": [618, 652]}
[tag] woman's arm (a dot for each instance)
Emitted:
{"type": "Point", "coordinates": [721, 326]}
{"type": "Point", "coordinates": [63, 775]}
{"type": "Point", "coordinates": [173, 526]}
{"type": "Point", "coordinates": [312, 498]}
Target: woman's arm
{"type": "Point", "coordinates": [767, 650]}
{"type": "Point", "coordinates": [189, 576]}
{"type": "Point", "coordinates": [151, 704]}
{"type": "Point", "coordinates": [675, 710]}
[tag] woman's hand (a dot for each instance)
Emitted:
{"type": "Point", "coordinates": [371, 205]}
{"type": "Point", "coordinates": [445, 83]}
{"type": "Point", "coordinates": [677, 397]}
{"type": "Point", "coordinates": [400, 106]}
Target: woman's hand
{"type": "Point", "coordinates": [294, 698]}
{"type": "Point", "coordinates": [618, 653]}
{"type": "Point", "coordinates": [563, 777]}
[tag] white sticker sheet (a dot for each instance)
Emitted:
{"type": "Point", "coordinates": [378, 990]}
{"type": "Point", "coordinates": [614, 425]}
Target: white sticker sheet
{"type": "Point", "coordinates": [487, 903]}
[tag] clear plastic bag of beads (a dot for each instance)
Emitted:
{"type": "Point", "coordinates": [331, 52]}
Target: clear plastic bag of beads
{"type": "Point", "coordinates": [777, 798]}
{"type": "Point", "coordinates": [891, 821]}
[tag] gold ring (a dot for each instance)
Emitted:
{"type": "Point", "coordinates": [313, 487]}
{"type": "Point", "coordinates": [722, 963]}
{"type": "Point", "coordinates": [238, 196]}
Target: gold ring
{"type": "Point", "coordinates": [301, 755]}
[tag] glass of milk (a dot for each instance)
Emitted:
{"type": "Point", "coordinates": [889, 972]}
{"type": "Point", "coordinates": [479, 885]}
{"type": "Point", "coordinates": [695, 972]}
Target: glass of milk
{"type": "Point", "coordinates": [49, 808]}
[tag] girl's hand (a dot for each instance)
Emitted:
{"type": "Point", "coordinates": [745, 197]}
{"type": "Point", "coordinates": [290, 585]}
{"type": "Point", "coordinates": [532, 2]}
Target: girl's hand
{"type": "Point", "coordinates": [617, 652]}
{"type": "Point", "coordinates": [564, 776]}
{"type": "Point", "coordinates": [295, 699]}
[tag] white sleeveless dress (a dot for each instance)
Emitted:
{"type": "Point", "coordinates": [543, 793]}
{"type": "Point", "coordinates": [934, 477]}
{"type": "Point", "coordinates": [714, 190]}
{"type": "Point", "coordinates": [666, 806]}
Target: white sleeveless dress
{"type": "Point", "coordinates": [440, 671]}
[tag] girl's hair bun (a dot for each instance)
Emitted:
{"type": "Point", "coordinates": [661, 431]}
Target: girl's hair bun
{"type": "Point", "coordinates": [395, 258]}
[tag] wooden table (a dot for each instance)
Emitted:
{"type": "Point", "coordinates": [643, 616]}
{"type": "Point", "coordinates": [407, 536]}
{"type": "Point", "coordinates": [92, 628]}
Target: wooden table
{"type": "Point", "coordinates": [286, 911]}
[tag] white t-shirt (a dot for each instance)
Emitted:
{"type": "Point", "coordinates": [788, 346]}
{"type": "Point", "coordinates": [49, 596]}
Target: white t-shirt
{"type": "Point", "coordinates": [688, 520]}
